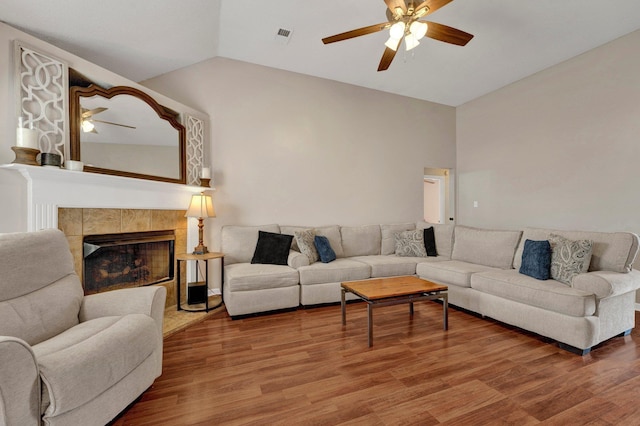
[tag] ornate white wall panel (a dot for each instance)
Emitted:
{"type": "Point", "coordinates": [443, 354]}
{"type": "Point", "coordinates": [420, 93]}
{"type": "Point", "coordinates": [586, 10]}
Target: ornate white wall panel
{"type": "Point", "coordinates": [195, 148]}
{"type": "Point", "coordinates": [42, 87]}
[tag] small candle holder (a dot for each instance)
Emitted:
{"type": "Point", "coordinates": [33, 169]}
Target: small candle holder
{"type": "Point", "coordinates": [205, 182]}
{"type": "Point", "coordinates": [25, 155]}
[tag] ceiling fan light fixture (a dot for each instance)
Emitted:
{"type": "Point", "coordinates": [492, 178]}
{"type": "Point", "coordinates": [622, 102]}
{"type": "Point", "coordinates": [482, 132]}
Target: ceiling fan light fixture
{"type": "Point", "coordinates": [392, 43]}
{"type": "Point", "coordinates": [87, 126]}
{"type": "Point", "coordinates": [410, 41]}
{"type": "Point", "coordinates": [418, 29]}
{"type": "Point", "coordinates": [397, 30]}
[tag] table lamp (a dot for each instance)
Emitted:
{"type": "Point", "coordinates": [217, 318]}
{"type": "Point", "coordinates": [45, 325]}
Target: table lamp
{"type": "Point", "coordinates": [201, 206]}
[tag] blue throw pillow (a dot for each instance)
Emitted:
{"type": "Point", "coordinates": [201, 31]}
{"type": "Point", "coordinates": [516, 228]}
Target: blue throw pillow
{"type": "Point", "coordinates": [536, 259]}
{"type": "Point", "coordinates": [324, 249]}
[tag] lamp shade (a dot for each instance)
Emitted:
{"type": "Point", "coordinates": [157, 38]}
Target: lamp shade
{"type": "Point", "coordinates": [201, 206]}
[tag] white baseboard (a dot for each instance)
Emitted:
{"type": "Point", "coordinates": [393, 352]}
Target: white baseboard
{"type": "Point", "coordinates": [637, 306]}
{"type": "Point", "coordinates": [216, 292]}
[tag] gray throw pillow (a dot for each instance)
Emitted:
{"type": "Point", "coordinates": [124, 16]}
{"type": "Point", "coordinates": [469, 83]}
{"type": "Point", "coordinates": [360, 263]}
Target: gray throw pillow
{"type": "Point", "coordinates": [410, 243]}
{"type": "Point", "coordinates": [569, 258]}
{"type": "Point", "coordinates": [305, 241]}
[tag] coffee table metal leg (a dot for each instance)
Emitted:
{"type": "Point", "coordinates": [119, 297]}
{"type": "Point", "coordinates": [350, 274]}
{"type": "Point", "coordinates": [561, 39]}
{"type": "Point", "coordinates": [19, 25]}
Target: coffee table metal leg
{"type": "Point", "coordinates": [445, 308]}
{"type": "Point", "coordinates": [411, 310]}
{"type": "Point", "coordinates": [343, 306]}
{"type": "Point", "coordinates": [370, 322]}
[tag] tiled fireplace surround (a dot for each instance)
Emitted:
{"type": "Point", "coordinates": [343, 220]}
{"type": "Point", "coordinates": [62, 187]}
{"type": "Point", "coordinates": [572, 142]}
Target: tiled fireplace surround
{"type": "Point", "coordinates": [76, 223]}
{"type": "Point", "coordinates": [81, 203]}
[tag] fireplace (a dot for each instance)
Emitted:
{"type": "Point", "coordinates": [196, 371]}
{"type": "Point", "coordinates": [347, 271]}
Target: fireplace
{"type": "Point", "coordinates": [131, 259]}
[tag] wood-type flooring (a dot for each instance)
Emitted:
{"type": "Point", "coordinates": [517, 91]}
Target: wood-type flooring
{"type": "Point", "coordinates": [304, 368]}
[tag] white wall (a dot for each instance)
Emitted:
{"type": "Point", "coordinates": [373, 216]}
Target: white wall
{"type": "Point", "coordinates": [558, 149]}
{"type": "Point", "coordinates": [294, 149]}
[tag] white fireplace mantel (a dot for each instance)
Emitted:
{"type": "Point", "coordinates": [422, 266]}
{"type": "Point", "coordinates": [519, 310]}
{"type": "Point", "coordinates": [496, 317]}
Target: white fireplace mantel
{"type": "Point", "coordinates": [47, 189]}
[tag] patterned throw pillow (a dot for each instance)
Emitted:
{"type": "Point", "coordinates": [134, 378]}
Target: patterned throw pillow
{"type": "Point", "coordinates": [410, 243]}
{"type": "Point", "coordinates": [306, 244]}
{"type": "Point", "coordinates": [569, 258]}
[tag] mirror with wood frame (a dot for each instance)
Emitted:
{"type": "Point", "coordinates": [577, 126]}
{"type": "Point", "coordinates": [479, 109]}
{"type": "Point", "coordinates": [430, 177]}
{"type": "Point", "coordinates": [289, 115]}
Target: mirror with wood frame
{"type": "Point", "coordinates": [123, 131]}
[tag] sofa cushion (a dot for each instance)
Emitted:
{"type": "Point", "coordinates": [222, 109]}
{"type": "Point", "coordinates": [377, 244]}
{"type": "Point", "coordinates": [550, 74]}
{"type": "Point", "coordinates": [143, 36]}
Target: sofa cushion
{"type": "Point", "coordinates": [239, 242]}
{"type": "Point", "coordinates": [569, 258]}
{"type": "Point", "coordinates": [550, 294]}
{"type": "Point", "coordinates": [361, 240]}
{"type": "Point", "coordinates": [272, 248]}
{"type": "Point", "coordinates": [410, 243]}
{"type": "Point", "coordinates": [37, 273]}
{"type": "Point", "coordinates": [387, 232]}
{"type": "Point", "coordinates": [31, 318]}
{"type": "Point", "coordinates": [305, 240]}
{"type": "Point", "coordinates": [536, 259]}
{"type": "Point", "coordinates": [72, 364]}
{"type": "Point", "coordinates": [337, 271]}
{"type": "Point", "coordinates": [247, 276]}
{"type": "Point", "coordinates": [487, 247]}
{"type": "Point", "coordinates": [450, 271]}
{"type": "Point", "coordinates": [390, 265]}
{"type": "Point", "coordinates": [612, 251]}
{"type": "Point", "coordinates": [323, 247]}
{"type": "Point", "coordinates": [443, 234]}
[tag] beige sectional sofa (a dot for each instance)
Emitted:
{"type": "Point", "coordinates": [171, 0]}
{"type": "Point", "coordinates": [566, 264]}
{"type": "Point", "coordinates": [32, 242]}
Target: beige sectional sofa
{"type": "Point", "coordinates": [480, 266]}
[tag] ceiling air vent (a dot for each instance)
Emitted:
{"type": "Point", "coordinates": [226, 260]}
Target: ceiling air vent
{"type": "Point", "coordinates": [283, 35]}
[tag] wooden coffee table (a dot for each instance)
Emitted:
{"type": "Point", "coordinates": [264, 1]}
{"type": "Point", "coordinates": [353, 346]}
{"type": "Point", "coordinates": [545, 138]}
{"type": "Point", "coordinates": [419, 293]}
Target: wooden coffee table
{"type": "Point", "coordinates": [393, 291]}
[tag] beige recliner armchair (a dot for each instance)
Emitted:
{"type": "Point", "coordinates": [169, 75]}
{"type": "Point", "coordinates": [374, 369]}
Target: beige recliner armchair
{"type": "Point", "coordinates": [66, 358]}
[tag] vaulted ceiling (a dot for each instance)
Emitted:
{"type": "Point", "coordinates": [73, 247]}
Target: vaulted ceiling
{"type": "Point", "coordinates": [513, 39]}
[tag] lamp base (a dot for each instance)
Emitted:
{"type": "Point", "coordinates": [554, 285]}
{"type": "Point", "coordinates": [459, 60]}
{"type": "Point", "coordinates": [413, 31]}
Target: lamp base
{"type": "Point", "coordinates": [200, 249]}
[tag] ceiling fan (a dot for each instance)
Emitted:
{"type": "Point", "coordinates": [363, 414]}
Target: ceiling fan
{"type": "Point", "coordinates": [87, 120]}
{"type": "Point", "coordinates": [404, 23]}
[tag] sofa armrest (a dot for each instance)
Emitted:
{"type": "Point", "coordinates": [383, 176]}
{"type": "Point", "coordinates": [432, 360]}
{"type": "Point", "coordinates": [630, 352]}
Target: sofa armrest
{"type": "Point", "coordinates": [19, 383]}
{"type": "Point", "coordinates": [142, 300]}
{"type": "Point", "coordinates": [297, 259]}
{"type": "Point", "coordinates": [607, 283]}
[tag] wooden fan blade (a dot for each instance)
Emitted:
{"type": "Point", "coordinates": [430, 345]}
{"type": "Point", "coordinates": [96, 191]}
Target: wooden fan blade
{"type": "Point", "coordinates": [433, 5]}
{"type": "Point", "coordinates": [114, 124]}
{"type": "Point", "coordinates": [387, 57]}
{"type": "Point", "coordinates": [394, 4]}
{"type": "Point", "coordinates": [86, 113]}
{"type": "Point", "coordinates": [447, 34]}
{"type": "Point", "coordinates": [356, 33]}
